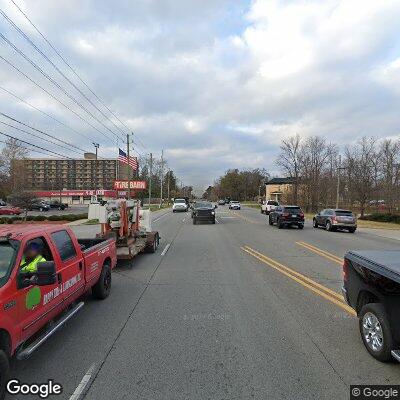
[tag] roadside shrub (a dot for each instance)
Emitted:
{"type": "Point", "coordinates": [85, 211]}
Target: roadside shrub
{"type": "Point", "coordinates": [380, 217]}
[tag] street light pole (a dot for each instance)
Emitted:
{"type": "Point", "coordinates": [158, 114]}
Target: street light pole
{"type": "Point", "coordinates": [338, 181]}
{"type": "Point", "coordinates": [150, 174]}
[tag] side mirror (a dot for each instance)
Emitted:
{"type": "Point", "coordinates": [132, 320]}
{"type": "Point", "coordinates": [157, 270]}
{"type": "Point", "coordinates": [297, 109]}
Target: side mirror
{"type": "Point", "coordinates": [46, 273]}
{"type": "Point", "coordinates": [216, 206]}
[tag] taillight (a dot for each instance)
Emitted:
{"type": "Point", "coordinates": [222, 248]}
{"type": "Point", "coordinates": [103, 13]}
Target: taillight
{"type": "Point", "coordinates": [301, 215]}
{"type": "Point", "coordinates": [334, 219]}
{"type": "Point", "coordinates": [345, 270]}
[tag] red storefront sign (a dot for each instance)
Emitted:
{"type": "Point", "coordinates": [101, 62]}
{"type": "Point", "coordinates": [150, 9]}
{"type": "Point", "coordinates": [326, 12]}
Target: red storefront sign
{"type": "Point", "coordinates": [66, 193]}
{"type": "Point", "coordinates": [136, 185]}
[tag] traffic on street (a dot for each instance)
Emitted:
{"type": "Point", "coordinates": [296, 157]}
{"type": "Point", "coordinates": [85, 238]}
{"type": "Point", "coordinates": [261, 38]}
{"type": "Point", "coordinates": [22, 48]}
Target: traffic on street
{"type": "Point", "coordinates": [238, 309]}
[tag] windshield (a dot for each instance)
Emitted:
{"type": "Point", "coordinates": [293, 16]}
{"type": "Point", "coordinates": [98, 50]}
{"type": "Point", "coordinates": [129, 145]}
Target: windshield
{"type": "Point", "coordinates": [203, 205]}
{"type": "Point", "coordinates": [180, 201]}
{"type": "Point", "coordinates": [272, 203]}
{"type": "Point", "coordinates": [293, 209]}
{"type": "Point", "coordinates": [234, 202]}
{"type": "Point", "coordinates": [8, 252]}
{"type": "Point", "coordinates": [343, 213]}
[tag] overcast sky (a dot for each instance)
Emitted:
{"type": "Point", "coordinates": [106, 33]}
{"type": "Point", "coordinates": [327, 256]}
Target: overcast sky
{"type": "Point", "coordinates": [215, 83]}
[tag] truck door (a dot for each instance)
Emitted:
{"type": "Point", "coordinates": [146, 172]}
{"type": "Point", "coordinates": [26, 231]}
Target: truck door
{"type": "Point", "coordinates": [71, 276]}
{"type": "Point", "coordinates": [37, 305]}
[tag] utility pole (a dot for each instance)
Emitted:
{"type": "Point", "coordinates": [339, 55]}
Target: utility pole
{"type": "Point", "coordinates": [338, 181]}
{"type": "Point", "coordinates": [129, 165]}
{"type": "Point", "coordinates": [150, 174]}
{"type": "Point", "coordinates": [162, 177]}
{"type": "Point", "coordinates": [96, 146]}
{"type": "Point", "coordinates": [169, 173]}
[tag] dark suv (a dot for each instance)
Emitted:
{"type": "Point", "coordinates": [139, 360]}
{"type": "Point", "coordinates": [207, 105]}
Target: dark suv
{"type": "Point", "coordinates": [286, 216]}
{"type": "Point", "coordinates": [203, 211]}
{"type": "Point", "coordinates": [332, 219]}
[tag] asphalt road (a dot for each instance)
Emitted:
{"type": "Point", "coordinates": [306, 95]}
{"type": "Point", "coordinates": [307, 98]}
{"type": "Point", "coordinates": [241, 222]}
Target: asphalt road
{"type": "Point", "coordinates": [221, 311]}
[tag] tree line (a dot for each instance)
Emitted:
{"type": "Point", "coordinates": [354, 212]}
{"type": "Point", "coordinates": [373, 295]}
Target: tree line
{"type": "Point", "coordinates": [238, 184]}
{"type": "Point", "coordinates": [366, 173]}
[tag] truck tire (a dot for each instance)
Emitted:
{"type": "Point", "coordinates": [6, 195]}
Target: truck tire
{"type": "Point", "coordinates": [262, 212]}
{"type": "Point", "coordinates": [4, 373]}
{"type": "Point", "coordinates": [352, 230]}
{"type": "Point", "coordinates": [153, 248]}
{"type": "Point", "coordinates": [315, 223]}
{"type": "Point", "coordinates": [102, 288]}
{"type": "Point", "coordinates": [280, 225]}
{"type": "Point", "coordinates": [375, 331]}
{"type": "Point", "coordinates": [328, 226]}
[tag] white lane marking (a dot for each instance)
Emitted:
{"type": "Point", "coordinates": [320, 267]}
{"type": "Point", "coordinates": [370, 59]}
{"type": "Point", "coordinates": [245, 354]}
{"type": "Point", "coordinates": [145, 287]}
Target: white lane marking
{"type": "Point", "coordinates": [165, 249]}
{"type": "Point", "coordinates": [184, 219]}
{"type": "Point", "coordinates": [82, 385]}
{"type": "Point", "coordinates": [228, 217]}
{"type": "Point", "coordinates": [216, 221]}
{"type": "Point", "coordinates": [161, 216]}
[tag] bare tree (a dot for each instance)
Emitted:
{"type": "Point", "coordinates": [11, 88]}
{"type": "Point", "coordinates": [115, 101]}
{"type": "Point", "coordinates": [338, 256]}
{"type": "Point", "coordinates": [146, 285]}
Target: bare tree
{"type": "Point", "coordinates": [11, 170]}
{"type": "Point", "coordinates": [289, 160]}
{"type": "Point", "coordinates": [360, 170]}
{"type": "Point", "coordinates": [24, 200]}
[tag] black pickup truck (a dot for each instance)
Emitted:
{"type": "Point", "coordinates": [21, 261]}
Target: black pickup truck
{"type": "Point", "coordinates": [372, 288]}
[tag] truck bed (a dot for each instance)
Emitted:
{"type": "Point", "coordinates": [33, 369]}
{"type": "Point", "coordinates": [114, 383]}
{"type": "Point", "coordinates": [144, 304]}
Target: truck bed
{"type": "Point", "coordinates": [90, 244]}
{"type": "Point", "coordinates": [384, 262]}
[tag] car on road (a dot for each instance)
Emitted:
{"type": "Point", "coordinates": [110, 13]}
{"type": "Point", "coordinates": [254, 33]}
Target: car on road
{"type": "Point", "coordinates": [180, 205]}
{"type": "Point", "coordinates": [203, 211]}
{"type": "Point", "coordinates": [268, 205]}
{"type": "Point", "coordinates": [56, 204]}
{"type": "Point", "coordinates": [9, 210]}
{"type": "Point", "coordinates": [34, 305]}
{"type": "Point", "coordinates": [287, 216]}
{"type": "Point", "coordinates": [234, 205]}
{"type": "Point", "coordinates": [334, 218]}
{"type": "Point", "coordinates": [221, 202]}
{"type": "Point", "coordinates": [39, 205]}
{"type": "Point", "coordinates": [371, 286]}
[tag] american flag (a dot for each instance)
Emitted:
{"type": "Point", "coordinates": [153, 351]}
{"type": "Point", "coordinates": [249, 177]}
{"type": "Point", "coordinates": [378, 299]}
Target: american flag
{"type": "Point", "coordinates": [132, 161]}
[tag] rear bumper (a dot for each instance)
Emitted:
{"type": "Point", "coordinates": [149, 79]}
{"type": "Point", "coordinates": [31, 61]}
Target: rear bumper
{"type": "Point", "coordinates": [343, 226]}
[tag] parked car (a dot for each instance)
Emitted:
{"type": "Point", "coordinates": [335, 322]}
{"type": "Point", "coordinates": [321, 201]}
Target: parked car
{"type": "Point", "coordinates": [9, 210]}
{"type": "Point", "coordinates": [268, 205]}
{"type": "Point", "coordinates": [371, 286]}
{"type": "Point", "coordinates": [287, 216]}
{"type": "Point", "coordinates": [203, 211]}
{"type": "Point", "coordinates": [58, 205]}
{"type": "Point", "coordinates": [234, 205]}
{"type": "Point", "coordinates": [333, 219]}
{"type": "Point", "coordinates": [34, 305]}
{"type": "Point", "coordinates": [180, 205]}
{"type": "Point", "coordinates": [40, 205]}
{"type": "Point", "coordinates": [221, 202]}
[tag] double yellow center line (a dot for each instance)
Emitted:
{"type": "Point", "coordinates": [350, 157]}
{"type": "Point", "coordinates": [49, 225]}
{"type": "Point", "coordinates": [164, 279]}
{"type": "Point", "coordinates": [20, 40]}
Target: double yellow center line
{"type": "Point", "coordinates": [321, 252]}
{"type": "Point", "coordinates": [301, 279]}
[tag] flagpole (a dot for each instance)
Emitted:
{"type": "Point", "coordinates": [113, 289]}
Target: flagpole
{"type": "Point", "coordinates": [129, 166]}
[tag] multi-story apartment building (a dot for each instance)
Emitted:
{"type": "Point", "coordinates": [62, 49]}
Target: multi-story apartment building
{"type": "Point", "coordinates": [66, 176]}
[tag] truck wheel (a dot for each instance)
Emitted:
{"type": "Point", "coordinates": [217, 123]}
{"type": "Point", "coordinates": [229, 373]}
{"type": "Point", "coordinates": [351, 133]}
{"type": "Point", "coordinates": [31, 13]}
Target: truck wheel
{"type": "Point", "coordinates": [153, 248]}
{"type": "Point", "coordinates": [102, 288]}
{"type": "Point", "coordinates": [328, 226]}
{"type": "Point", "coordinates": [4, 373]}
{"type": "Point", "coordinates": [352, 230]}
{"type": "Point", "coordinates": [300, 226]}
{"type": "Point", "coordinates": [375, 331]}
{"type": "Point", "coordinates": [280, 225]}
{"type": "Point", "coordinates": [262, 212]}
{"type": "Point", "coordinates": [315, 223]}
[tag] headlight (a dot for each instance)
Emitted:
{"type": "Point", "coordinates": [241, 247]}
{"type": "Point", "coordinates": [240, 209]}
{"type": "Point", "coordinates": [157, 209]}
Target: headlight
{"type": "Point", "coordinates": [212, 212]}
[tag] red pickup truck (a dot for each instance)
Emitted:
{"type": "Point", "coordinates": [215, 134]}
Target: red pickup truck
{"type": "Point", "coordinates": [29, 302]}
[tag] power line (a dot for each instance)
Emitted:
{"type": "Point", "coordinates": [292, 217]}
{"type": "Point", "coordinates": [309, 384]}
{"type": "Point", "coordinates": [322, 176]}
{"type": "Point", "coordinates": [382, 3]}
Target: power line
{"type": "Point", "coordinates": [34, 145]}
{"type": "Point", "coordinates": [71, 68]}
{"type": "Point", "coordinates": [26, 37]}
{"type": "Point", "coordinates": [55, 83]}
{"type": "Point", "coordinates": [51, 95]}
{"type": "Point", "coordinates": [26, 148]}
{"type": "Point", "coordinates": [44, 133]}
{"type": "Point", "coordinates": [41, 111]}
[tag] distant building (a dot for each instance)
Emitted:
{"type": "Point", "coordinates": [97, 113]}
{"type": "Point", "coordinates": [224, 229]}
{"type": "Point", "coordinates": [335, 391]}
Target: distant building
{"type": "Point", "coordinates": [278, 189]}
{"type": "Point", "coordinates": [76, 180]}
